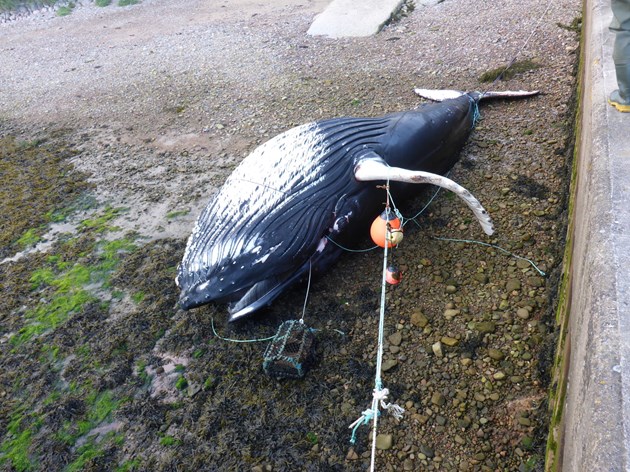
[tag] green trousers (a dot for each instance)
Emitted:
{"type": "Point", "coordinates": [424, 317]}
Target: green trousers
{"type": "Point", "coordinates": [621, 52]}
{"type": "Point", "coordinates": [621, 27]}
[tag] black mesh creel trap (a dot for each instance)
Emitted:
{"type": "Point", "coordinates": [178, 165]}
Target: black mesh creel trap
{"type": "Point", "coordinates": [290, 351]}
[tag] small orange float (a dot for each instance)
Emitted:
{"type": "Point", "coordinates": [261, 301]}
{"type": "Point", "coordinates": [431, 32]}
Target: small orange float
{"type": "Point", "coordinates": [393, 276]}
{"type": "Point", "coordinates": [378, 230]}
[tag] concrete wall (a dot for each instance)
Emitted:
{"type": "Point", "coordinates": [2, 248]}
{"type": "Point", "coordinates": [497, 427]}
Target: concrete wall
{"type": "Point", "coordinates": [597, 410]}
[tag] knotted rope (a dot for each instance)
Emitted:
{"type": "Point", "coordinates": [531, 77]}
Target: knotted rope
{"type": "Point", "coordinates": [379, 394]}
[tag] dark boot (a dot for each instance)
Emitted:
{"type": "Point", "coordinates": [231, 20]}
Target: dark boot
{"type": "Point", "coordinates": [620, 98]}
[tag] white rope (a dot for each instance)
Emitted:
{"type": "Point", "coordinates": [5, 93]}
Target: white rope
{"type": "Point", "coordinates": [308, 290]}
{"type": "Point", "coordinates": [379, 394]}
{"type": "Point", "coordinates": [395, 410]}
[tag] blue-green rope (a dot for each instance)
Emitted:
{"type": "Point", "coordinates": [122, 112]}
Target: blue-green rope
{"type": "Point", "coordinates": [347, 249]}
{"type": "Point", "coordinates": [413, 218]}
{"type": "Point", "coordinates": [476, 113]}
{"type": "Point", "coordinates": [238, 340]}
{"type": "Point", "coordinates": [492, 246]}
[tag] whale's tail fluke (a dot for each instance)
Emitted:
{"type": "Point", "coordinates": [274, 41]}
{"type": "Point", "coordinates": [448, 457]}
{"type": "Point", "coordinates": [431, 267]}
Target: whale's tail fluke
{"type": "Point", "coordinates": [441, 95]}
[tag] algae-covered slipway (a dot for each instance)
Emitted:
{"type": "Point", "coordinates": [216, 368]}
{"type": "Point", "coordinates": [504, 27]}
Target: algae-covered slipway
{"type": "Point", "coordinates": [117, 124]}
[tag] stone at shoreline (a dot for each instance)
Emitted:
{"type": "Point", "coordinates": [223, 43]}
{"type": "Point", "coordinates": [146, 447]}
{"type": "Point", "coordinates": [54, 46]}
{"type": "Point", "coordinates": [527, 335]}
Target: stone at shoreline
{"type": "Point", "coordinates": [438, 399]}
{"type": "Point", "coordinates": [449, 341]}
{"type": "Point", "coordinates": [482, 278]}
{"type": "Point", "coordinates": [485, 326]}
{"type": "Point", "coordinates": [388, 364]}
{"type": "Point", "coordinates": [427, 451]}
{"type": "Point", "coordinates": [536, 281]}
{"type": "Point", "coordinates": [496, 354]}
{"type": "Point", "coordinates": [418, 319]}
{"type": "Point", "coordinates": [449, 314]}
{"type": "Point", "coordinates": [395, 339]}
{"type": "Point", "coordinates": [513, 284]}
{"type": "Point", "coordinates": [384, 441]}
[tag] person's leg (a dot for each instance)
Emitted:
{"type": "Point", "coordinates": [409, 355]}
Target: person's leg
{"type": "Point", "coordinates": [620, 25]}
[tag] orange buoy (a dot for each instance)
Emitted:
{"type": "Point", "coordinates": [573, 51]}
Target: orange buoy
{"type": "Point", "coordinates": [393, 275]}
{"type": "Point", "coordinates": [378, 230]}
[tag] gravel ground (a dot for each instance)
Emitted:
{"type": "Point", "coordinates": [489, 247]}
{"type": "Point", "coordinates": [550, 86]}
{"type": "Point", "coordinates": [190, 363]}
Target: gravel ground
{"type": "Point", "coordinates": [161, 100]}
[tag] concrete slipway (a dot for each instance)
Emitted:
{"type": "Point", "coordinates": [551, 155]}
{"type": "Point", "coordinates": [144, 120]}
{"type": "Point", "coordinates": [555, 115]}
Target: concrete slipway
{"type": "Point", "coordinates": [591, 425]}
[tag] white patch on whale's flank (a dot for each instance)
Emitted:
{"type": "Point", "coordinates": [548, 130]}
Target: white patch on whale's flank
{"type": "Point", "coordinates": [322, 244]}
{"type": "Point", "coordinates": [262, 183]}
{"type": "Point", "coordinates": [266, 256]}
{"type": "Point", "coordinates": [272, 170]}
{"type": "Point", "coordinates": [262, 259]}
{"type": "Point", "coordinates": [345, 219]}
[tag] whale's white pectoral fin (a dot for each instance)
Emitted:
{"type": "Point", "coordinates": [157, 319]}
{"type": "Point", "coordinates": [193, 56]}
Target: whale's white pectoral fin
{"type": "Point", "coordinates": [375, 168]}
{"type": "Point", "coordinates": [441, 95]}
{"type": "Point", "coordinates": [437, 95]}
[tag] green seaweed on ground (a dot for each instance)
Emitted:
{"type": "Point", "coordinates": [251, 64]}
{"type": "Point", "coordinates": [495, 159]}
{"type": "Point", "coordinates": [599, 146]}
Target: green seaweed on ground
{"type": "Point", "coordinates": [61, 298]}
{"type": "Point", "coordinates": [111, 252]}
{"type": "Point", "coordinates": [181, 383]}
{"type": "Point", "coordinates": [12, 5]}
{"type": "Point", "coordinates": [29, 238]}
{"type": "Point", "coordinates": [37, 179]}
{"type": "Point", "coordinates": [169, 441]}
{"type": "Point", "coordinates": [509, 71]}
{"type": "Point", "coordinates": [175, 213]}
{"type": "Point", "coordinates": [65, 10]}
{"type": "Point", "coordinates": [141, 372]}
{"type": "Point", "coordinates": [48, 316]}
{"type": "Point", "coordinates": [575, 25]}
{"type": "Point", "coordinates": [100, 407]}
{"type": "Point", "coordinates": [87, 452]}
{"type": "Point", "coordinates": [129, 466]}
{"type": "Point", "coordinates": [15, 449]}
{"type": "Point", "coordinates": [90, 452]}
{"type": "Point", "coordinates": [137, 297]}
{"type": "Point", "coordinates": [66, 286]}
{"type": "Point", "coordinates": [100, 223]}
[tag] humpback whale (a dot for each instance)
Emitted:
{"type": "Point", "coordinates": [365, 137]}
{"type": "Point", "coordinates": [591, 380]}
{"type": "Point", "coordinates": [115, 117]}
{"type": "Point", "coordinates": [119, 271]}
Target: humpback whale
{"type": "Point", "coordinates": [274, 218]}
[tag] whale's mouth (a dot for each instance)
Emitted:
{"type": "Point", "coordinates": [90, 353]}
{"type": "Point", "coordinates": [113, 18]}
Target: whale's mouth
{"type": "Point", "coordinates": [201, 294]}
{"type": "Point", "coordinates": [188, 301]}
